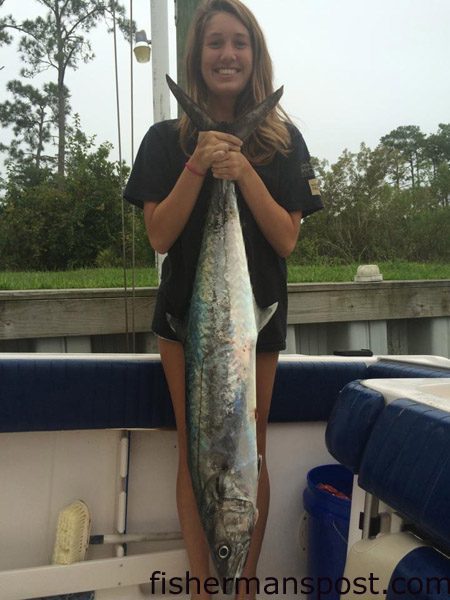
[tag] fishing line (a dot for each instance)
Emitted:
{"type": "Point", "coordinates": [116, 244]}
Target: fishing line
{"type": "Point", "coordinates": [133, 208]}
{"type": "Point", "coordinates": [121, 181]}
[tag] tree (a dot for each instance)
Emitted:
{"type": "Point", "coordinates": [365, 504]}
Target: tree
{"type": "Point", "coordinates": [94, 185]}
{"type": "Point", "coordinates": [5, 38]}
{"type": "Point", "coordinates": [444, 136]}
{"type": "Point", "coordinates": [32, 113]}
{"type": "Point", "coordinates": [408, 141]}
{"type": "Point", "coordinates": [46, 227]}
{"type": "Point", "coordinates": [354, 193]}
{"type": "Point", "coordinates": [367, 219]}
{"type": "Point", "coordinates": [441, 184]}
{"type": "Point", "coordinates": [56, 41]}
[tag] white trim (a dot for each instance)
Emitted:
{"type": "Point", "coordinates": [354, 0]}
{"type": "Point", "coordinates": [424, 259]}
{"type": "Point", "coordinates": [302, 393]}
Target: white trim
{"type": "Point", "coordinates": [107, 573]}
{"type": "Point", "coordinates": [416, 360]}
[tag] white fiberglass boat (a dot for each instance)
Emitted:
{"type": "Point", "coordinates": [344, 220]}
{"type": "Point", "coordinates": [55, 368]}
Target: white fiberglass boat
{"type": "Point", "coordinates": [100, 428]}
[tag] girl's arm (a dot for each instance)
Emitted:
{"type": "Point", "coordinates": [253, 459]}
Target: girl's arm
{"type": "Point", "coordinates": [280, 227]}
{"type": "Point", "coordinates": [165, 220]}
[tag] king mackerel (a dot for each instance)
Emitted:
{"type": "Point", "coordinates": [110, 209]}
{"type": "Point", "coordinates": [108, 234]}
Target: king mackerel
{"type": "Point", "coordinates": [219, 339]}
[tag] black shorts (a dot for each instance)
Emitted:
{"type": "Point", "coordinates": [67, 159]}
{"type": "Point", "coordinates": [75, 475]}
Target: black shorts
{"type": "Point", "coordinates": [271, 338]}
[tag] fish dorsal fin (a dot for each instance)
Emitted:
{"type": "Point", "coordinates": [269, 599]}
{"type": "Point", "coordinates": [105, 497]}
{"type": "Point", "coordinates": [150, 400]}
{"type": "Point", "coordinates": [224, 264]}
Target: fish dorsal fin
{"type": "Point", "coordinates": [241, 128]}
{"type": "Point", "coordinates": [263, 315]}
{"type": "Point", "coordinates": [178, 326]}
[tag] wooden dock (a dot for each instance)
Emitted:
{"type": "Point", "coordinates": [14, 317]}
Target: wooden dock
{"type": "Point", "coordinates": [395, 317]}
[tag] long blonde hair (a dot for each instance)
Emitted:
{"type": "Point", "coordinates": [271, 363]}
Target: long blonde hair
{"type": "Point", "coordinates": [272, 135]}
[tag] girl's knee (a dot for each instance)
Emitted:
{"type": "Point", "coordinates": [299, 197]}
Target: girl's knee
{"type": "Point", "coordinates": [261, 428]}
{"type": "Point", "coordinates": [261, 445]}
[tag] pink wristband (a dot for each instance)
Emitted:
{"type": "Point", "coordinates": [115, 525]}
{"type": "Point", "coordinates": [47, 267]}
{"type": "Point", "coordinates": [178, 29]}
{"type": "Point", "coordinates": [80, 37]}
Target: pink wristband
{"type": "Point", "coordinates": [194, 171]}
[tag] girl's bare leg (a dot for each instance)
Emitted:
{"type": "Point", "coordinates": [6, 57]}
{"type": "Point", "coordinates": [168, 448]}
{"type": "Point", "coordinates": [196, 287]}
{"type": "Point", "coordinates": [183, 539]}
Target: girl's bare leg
{"type": "Point", "coordinates": [266, 364]}
{"type": "Point", "coordinates": [172, 358]}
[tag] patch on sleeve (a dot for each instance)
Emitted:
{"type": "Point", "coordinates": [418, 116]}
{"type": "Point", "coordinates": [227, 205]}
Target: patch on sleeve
{"type": "Point", "coordinates": [314, 187]}
{"type": "Point", "coordinates": [306, 170]}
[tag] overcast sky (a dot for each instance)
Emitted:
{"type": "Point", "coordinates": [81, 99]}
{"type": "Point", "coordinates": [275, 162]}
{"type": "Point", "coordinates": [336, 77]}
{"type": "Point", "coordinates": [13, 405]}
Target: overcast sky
{"type": "Point", "coordinates": [353, 70]}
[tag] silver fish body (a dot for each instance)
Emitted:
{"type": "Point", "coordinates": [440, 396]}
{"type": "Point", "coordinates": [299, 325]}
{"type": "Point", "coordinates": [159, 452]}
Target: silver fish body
{"type": "Point", "coordinates": [220, 354]}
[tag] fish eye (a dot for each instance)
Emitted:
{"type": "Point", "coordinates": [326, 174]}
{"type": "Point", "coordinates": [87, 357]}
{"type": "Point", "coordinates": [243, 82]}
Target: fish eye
{"type": "Point", "coordinates": [223, 552]}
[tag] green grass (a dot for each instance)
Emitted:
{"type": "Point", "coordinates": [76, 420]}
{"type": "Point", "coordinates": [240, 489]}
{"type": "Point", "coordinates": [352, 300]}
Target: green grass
{"type": "Point", "coordinates": [144, 277]}
{"type": "Point", "coordinates": [81, 278]}
{"type": "Point", "coordinates": [389, 270]}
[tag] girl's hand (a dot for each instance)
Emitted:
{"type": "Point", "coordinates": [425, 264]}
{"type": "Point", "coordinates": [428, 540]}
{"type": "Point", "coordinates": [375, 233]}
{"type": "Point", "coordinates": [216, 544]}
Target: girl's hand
{"type": "Point", "coordinates": [213, 146]}
{"type": "Point", "coordinates": [233, 167]}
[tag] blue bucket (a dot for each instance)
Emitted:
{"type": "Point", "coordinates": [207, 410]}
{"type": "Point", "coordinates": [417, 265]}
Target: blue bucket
{"type": "Point", "coordinates": [328, 523]}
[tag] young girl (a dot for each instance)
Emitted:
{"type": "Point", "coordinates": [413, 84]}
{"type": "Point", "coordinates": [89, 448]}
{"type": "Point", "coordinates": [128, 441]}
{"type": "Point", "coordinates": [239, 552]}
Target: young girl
{"type": "Point", "coordinates": [228, 71]}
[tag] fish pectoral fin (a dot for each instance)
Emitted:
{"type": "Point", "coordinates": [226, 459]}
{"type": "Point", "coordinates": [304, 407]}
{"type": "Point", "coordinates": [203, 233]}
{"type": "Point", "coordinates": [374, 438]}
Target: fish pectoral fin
{"type": "Point", "coordinates": [215, 486]}
{"type": "Point", "coordinates": [178, 326]}
{"type": "Point", "coordinates": [259, 464]}
{"type": "Point", "coordinates": [263, 315]}
{"type": "Point", "coordinates": [220, 484]}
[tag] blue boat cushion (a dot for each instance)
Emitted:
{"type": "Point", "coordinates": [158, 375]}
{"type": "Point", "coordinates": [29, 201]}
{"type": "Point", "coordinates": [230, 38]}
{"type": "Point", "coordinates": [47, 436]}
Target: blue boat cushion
{"type": "Point", "coordinates": [307, 391]}
{"type": "Point", "coordinates": [40, 394]}
{"type": "Point", "coordinates": [51, 394]}
{"type": "Point", "coordinates": [387, 369]}
{"type": "Point", "coordinates": [357, 408]}
{"type": "Point", "coordinates": [423, 574]}
{"type": "Point", "coordinates": [406, 464]}
{"type": "Point", "coordinates": [351, 421]}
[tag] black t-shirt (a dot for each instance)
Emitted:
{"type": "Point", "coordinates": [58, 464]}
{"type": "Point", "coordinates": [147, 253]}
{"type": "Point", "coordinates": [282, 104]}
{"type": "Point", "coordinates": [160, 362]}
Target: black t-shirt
{"type": "Point", "coordinates": [289, 179]}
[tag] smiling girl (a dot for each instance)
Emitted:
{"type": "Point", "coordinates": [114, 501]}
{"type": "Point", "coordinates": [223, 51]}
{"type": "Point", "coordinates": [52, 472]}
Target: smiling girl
{"type": "Point", "coordinates": [228, 72]}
